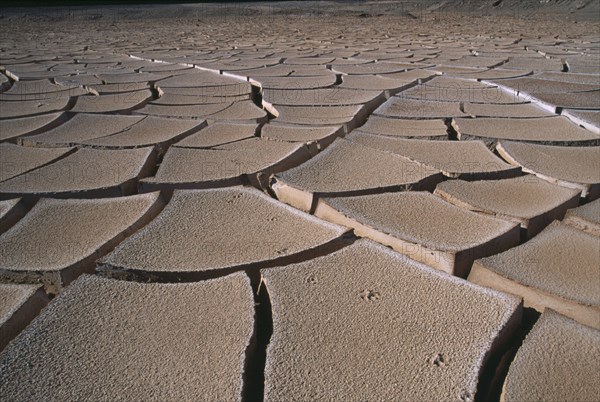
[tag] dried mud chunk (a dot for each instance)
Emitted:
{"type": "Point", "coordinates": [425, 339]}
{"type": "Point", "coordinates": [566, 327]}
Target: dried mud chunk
{"type": "Point", "coordinates": [186, 341]}
{"type": "Point", "coordinates": [19, 304]}
{"type": "Point", "coordinates": [86, 173]}
{"type": "Point", "coordinates": [574, 167]}
{"type": "Point", "coordinates": [347, 168]}
{"type": "Point", "coordinates": [468, 160]}
{"type": "Point", "coordinates": [536, 271]}
{"type": "Point", "coordinates": [398, 325]}
{"type": "Point", "coordinates": [436, 233]}
{"type": "Point", "coordinates": [585, 217]}
{"type": "Point", "coordinates": [203, 223]}
{"type": "Point", "coordinates": [527, 200]}
{"type": "Point", "coordinates": [555, 346]}
{"type": "Point", "coordinates": [60, 239]}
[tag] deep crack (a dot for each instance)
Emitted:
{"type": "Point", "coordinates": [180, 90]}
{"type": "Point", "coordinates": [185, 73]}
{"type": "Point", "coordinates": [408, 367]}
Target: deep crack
{"type": "Point", "coordinates": [256, 355]}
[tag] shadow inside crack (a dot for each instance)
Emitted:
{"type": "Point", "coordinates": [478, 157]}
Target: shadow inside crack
{"type": "Point", "coordinates": [256, 354]}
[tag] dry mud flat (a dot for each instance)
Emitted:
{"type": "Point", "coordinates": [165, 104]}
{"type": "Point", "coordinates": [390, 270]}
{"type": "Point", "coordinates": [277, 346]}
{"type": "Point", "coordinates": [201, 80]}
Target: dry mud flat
{"type": "Point", "coordinates": [309, 201]}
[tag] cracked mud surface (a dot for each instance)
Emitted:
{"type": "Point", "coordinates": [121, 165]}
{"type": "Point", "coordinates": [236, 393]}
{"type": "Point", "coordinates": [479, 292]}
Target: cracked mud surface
{"type": "Point", "coordinates": [195, 201]}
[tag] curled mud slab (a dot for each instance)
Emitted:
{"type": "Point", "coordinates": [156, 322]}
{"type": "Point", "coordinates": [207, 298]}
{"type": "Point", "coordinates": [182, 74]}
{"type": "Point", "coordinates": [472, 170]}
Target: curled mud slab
{"type": "Point", "coordinates": [11, 130]}
{"type": "Point", "coordinates": [219, 134]}
{"type": "Point", "coordinates": [151, 131]}
{"type": "Point", "coordinates": [421, 129]}
{"type": "Point", "coordinates": [467, 160]}
{"type": "Point", "coordinates": [27, 108]}
{"type": "Point", "coordinates": [372, 300]}
{"type": "Point", "coordinates": [552, 130]}
{"type": "Point", "coordinates": [585, 217]}
{"type": "Point", "coordinates": [516, 111]}
{"type": "Point", "coordinates": [19, 304]}
{"type": "Point", "coordinates": [184, 341]}
{"type": "Point", "coordinates": [347, 168]}
{"type": "Point", "coordinates": [574, 167]}
{"type": "Point", "coordinates": [85, 173]}
{"type": "Point", "coordinates": [122, 102]}
{"type": "Point", "coordinates": [249, 161]}
{"type": "Point", "coordinates": [556, 345]}
{"type": "Point", "coordinates": [528, 200]}
{"type": "Point", "coordinates": [404, 108]}
{"type": "Point", "coordinates": [80, 128]}
{"type": "Point", "coordinates": [437, 233]}
{"type": "Point", "coordinates": [536, 271]}
{"type": "Point", "coordinates": [316, 138]}
{"type": "Point", "coordinates": [18, 160]}
{"type": "Point", "coordinates": [60, 239]}
{"type": "Point", "coordinates": [189, 236]}
{"type": "Point", "coordinates": [316, 115]}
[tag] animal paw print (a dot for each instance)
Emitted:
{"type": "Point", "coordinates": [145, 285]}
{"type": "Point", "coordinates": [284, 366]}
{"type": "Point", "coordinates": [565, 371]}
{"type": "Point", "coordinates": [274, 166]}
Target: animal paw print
{"type": "Point", "coordinates": [232, 199]}
{"type": "Point", "coordinates": [370, 295]}
{"type": "Point", "coordinates": [311, 280]}
{"type": "Point", "coordinates": [439, 360]}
